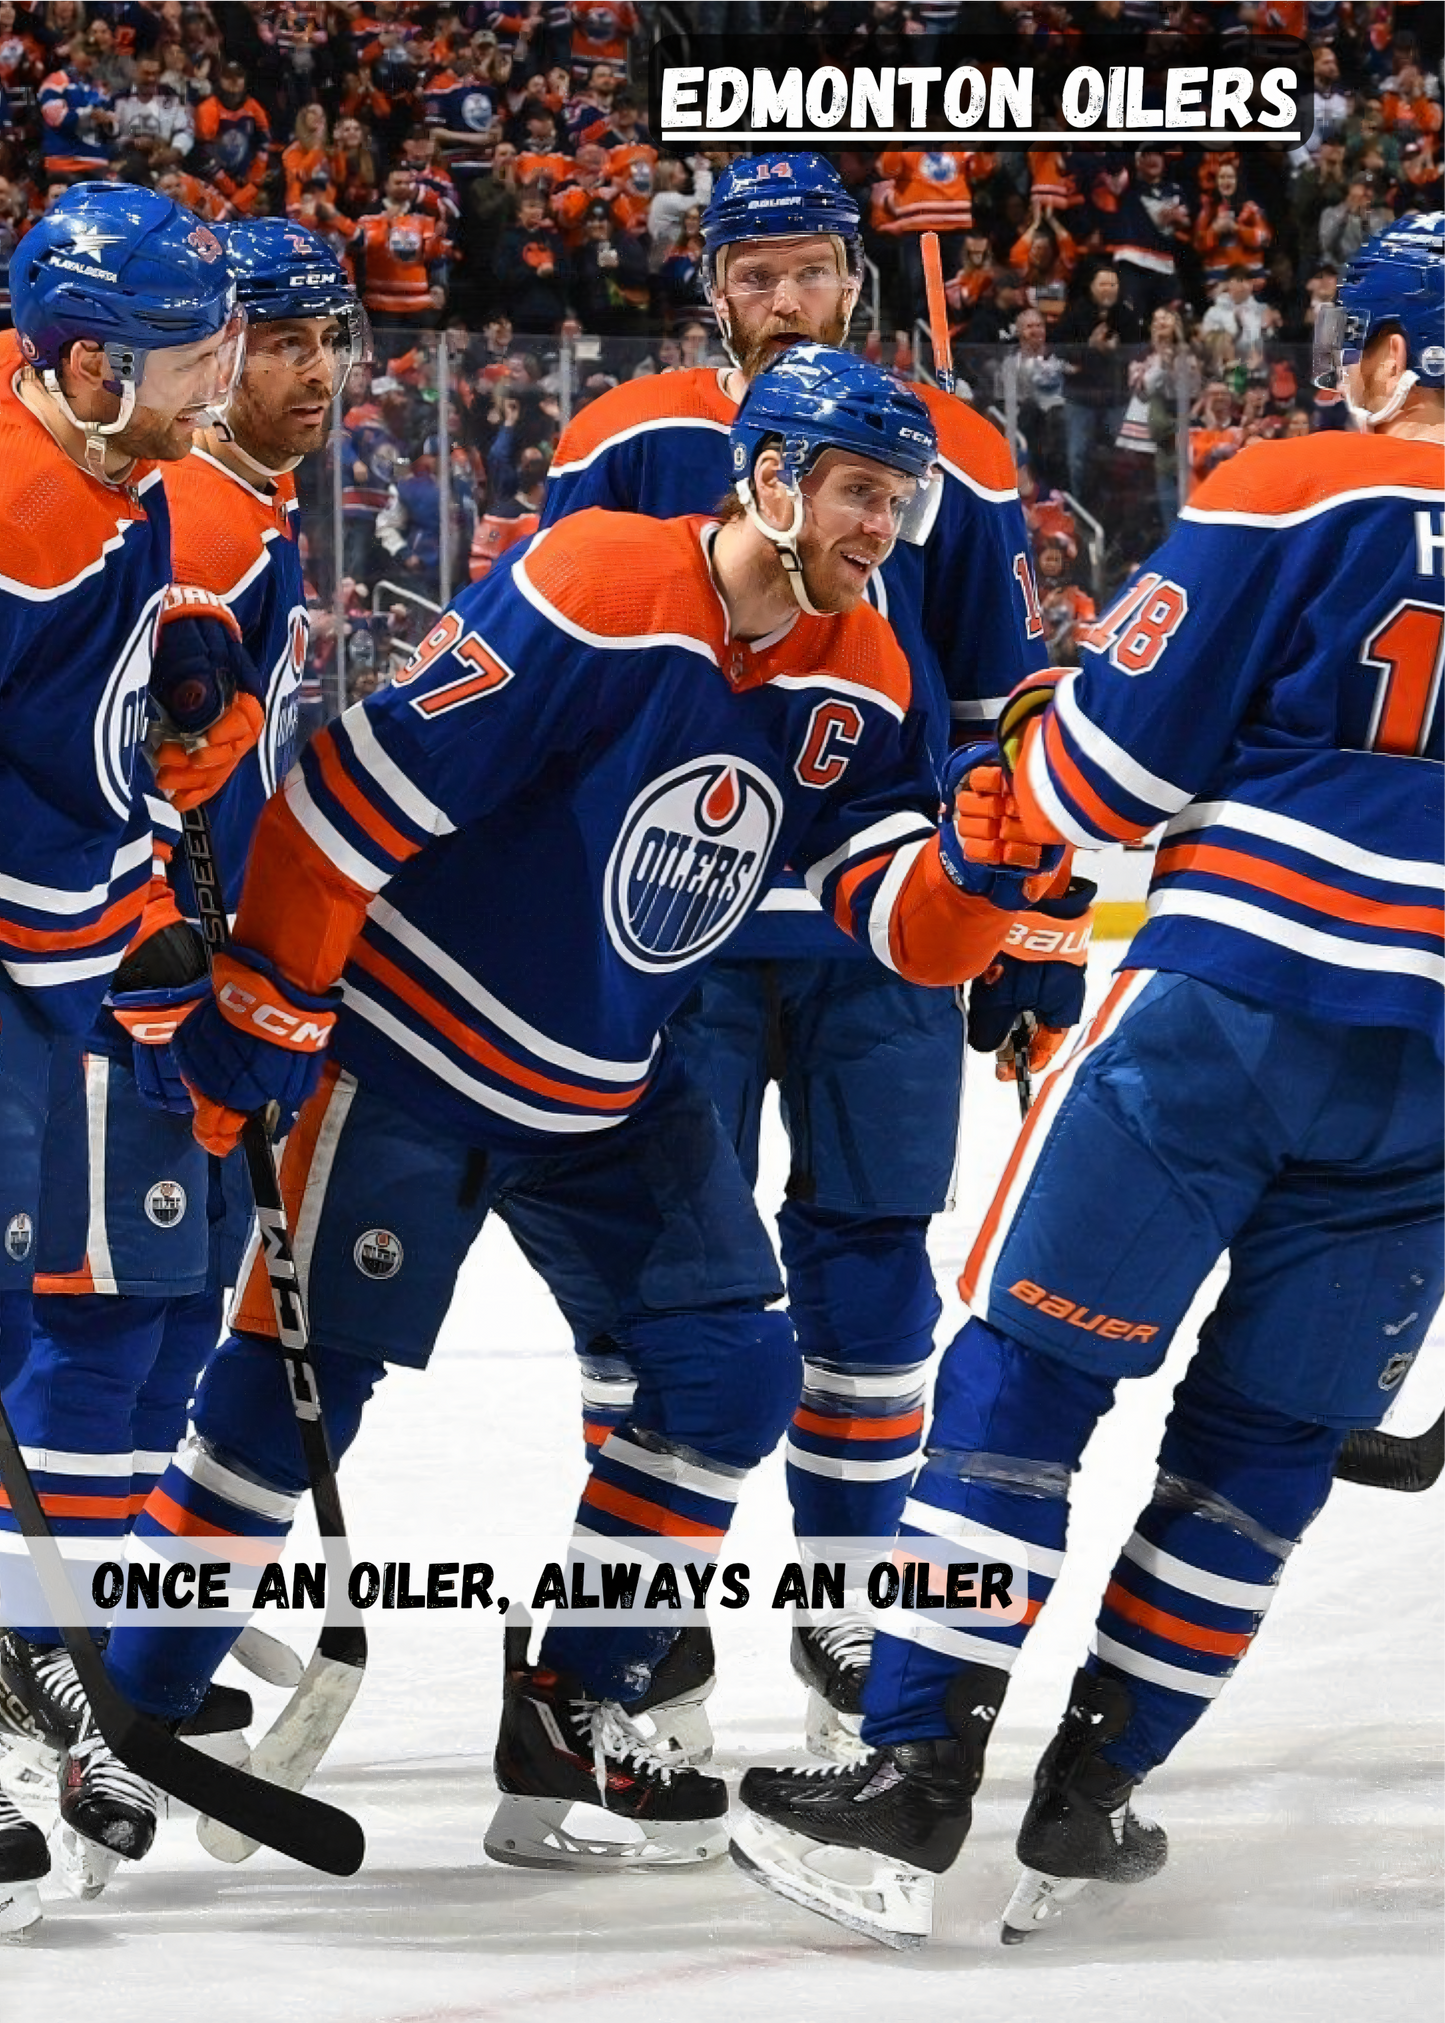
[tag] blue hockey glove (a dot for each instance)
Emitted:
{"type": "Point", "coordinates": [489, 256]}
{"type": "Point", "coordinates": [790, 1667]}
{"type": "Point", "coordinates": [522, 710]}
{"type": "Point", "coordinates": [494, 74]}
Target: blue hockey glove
{"type": "Point", "coordinates": [207, 688]}
{"type": "Point", "coordinates": [982, 844]}
{"type": "Point", "coordinates": [160, 980]}
{"type": "Point", "coordinates": [1038, 974]}
{"type": "Point", "coordinates": [257, 1040]}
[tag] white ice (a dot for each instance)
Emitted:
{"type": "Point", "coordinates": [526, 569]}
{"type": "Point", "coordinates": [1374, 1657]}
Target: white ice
{"type": "Point", "coordinates": [1304, 1813]}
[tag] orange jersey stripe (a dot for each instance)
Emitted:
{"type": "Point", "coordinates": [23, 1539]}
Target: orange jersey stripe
{"type": "Point", "coordinates": [1221, 862]}
{"type": "Point", "coordinates": [893, 1428]}
{"type": "Point", "coordinates": [356, 804]}
{"type": "Point", "coordinates": [121, 913]}
{"type": "Point", "coordinates": [646, 1515]}
{"type": "Point", "coordinates": [472, 1044]}
{"type": "Point", "coordinates": [1218, 1643]}
{"type": "Point", "coordinates": [256, 1312]}
{"type": "Point", "coordinates": [1077, 787]}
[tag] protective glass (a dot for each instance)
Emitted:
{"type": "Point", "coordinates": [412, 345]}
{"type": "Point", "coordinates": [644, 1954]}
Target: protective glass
{"type": "Point", "coordinates": [342, 341]}
{"type": "Point", "coordinates": [189, 377]}
{"type": "Point", "coordinates": [912, 517]}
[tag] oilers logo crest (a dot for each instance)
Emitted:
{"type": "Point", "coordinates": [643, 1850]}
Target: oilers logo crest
{"type": "Point", "coordinates": [691, 857]}
{"type": "Point", "coordinates": [165, 1203]}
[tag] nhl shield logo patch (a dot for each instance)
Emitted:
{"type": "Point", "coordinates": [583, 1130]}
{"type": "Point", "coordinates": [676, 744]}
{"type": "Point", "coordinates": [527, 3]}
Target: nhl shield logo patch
{"type": "Point", "coordinates": [378, 1254]}
{"type": "Point", "coordinates": [689, 862]}
{"type": "Point", "coordinates": [19, 1236]}
{"type": "Point", "coordinates": [165, 1203]}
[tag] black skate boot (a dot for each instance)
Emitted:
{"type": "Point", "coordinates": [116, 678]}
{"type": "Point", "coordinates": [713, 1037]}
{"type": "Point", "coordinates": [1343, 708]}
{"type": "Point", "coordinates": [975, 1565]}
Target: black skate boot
{"type": "Point", "coordinates": [559, 1747]}
{"type": "Point", "coordinates": [831, 1658]}
{"type": "Point", "coordinates": [107, 1814]}
{"type": "Point", "coordinates": [1079, 1828]}
{"type": "Point", "coordinates": [904, 1811]}
{"type": "Point", "coordinates": [24, 1859]}
{"type": "Point", "coordinates": [42, 1702]}
{"type": "Point", "coordinates": [676, 1722]}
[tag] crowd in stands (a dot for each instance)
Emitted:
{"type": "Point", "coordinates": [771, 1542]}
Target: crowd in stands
{"type": "Point", "coordinates": [487, 172]}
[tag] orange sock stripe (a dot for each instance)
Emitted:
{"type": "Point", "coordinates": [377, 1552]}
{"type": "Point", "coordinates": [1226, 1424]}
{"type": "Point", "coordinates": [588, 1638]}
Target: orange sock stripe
{"type": "Point", "coordinates": [1218, 1643]}
{"type": "Point", "coordinates": [182, 1523]}
{"type": "Point", "coordinates": [647, 1516]}
{"type": "Point", "coordinates": [895, 1428]}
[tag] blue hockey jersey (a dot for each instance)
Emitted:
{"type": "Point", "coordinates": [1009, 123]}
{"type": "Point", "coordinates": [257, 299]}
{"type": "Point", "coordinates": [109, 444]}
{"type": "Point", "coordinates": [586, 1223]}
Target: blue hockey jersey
{"type": "Point", "coordinates": [963, 608]}
{"type": "Point", "coordinates": [522, 850]}
{"type": "Point", "coordinates": [1269, 686]}
{"type": "Point", "coordinates": [84, 569]}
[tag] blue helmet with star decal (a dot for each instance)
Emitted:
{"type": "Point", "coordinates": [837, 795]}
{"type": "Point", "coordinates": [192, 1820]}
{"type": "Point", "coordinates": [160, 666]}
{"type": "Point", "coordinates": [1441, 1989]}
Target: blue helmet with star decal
{"type": "Point", "coordinates": [124, 267]}
{"type": "Point", "coordinates": [1395, 282]}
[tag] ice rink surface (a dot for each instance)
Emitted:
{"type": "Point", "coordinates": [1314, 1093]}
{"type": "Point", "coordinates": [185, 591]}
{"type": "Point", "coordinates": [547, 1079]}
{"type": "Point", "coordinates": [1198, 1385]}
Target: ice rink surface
{"type": "Point", "coordinates": [1304, 1813]}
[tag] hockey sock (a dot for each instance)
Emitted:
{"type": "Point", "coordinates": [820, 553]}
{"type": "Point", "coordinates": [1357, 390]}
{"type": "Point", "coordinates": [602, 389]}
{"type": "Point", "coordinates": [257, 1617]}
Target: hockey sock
{"type": "Point", "coordinates": [608, 1388]}
{"type": "Point", "coordinates": [1237, 1487]}
{"type": "Point", "coordinates": [190, 1331]}
{"type": "Point", "coordinates": [71, 1408]}
{"type": "Point", "coordinates": [1008, 1430]}
{"type": "Point", "coordinates": [862, 1297]}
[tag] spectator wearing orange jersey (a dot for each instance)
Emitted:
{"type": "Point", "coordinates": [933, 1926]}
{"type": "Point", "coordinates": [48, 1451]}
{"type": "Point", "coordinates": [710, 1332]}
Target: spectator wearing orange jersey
{"type": "Point", "coordinates": [1045, 255]}
{"type": "Point", "coordinates": [1231, 234]}
{"type": "Point", "coordinates": [232, 138]}
{"type": "Point", "coordinates": [589, 183]}
{"type": "Point", "coordinates": [306, 157]}
{"type": "Point", "coordinates": [600, 32]}
{"type": "Point", "coordinates": [206, 201]}
{"type": "Point", "coordinates": [924, 191]}
{"type": "Point", "coordinates": [401, 257]}
{"type": "Point", "coordinates": [631, 168]}
{"type": "Point", "coordinates": [1213, 435]}
{"type": "Point", "coordinates": [510, 520]}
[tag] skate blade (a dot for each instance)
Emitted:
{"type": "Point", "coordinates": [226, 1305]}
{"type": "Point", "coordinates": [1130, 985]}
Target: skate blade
{"type": "Point", "coordinates": [20, 1910]}
{"type": "Point", "coordinates": [836, 1737]}
{"type": "Point", "coordinates": [1039, 1900]}
{"type": "Point", "coordinates": [892, 1903]}
{"type": "Point", "coordinates": [542, 1833]}
{"type": "Point", "coordinates": [267, 1658]}
{"type": "Point", "coordinates": [681, 1732]}
{"type": "Point", "coordinates": [82, 1866]}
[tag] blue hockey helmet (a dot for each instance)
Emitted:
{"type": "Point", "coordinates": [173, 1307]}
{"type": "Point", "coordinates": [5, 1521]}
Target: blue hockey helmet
{"type": "Point", "coordinates": [779, 196]}
{"type": "Point", "coordinates": [285, 273]}
{"type": "Point", "coordinates": [1395, 282]}
{"type": "Point", "coordinates": [813, 399]}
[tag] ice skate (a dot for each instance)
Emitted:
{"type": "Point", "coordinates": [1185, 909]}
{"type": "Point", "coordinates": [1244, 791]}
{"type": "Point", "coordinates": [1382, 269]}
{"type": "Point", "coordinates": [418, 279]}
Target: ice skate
{"type": "Point", "coordinates": [862, 1845]}
{"type": "Point", "coordinates": [1079, 1828]}
{"type": "Point", "coordinates": [671, 1712]}
{"type": "Point", "coordinates": [42, 1706]}
{"type": "Point", "coordinates": [831, 1658]}
{"type": "Point", "coordinates": [558, 1748]}
{"type": "Point", "coordinates": [24, 1859]}
{"type": "Point", "coordinates": [107, 1815]}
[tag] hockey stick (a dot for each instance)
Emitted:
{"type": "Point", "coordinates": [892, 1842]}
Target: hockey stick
{"type": "Point", "coordinates": [289, 1751]}
{"type": "Point", "coordinates": [1408, 1461]}
{"type": "Point", "coordinates": [943, 372]}
{"type": "Point", "coordinates": [304, 1828]}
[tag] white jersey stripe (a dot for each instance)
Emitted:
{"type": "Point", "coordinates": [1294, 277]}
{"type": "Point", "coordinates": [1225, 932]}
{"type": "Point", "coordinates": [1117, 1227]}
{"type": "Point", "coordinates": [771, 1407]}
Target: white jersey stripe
{"type": "Point", "coordinates": [1125, 772]}
{"type": "Point", "coordinates": [1187, 902]}
{"type": "Point", "coordinates": [55, 899]}
{"type": "Point", "coordinates": [1428, 495]}
{"type": "Point", "coordinates": [895, 828]}
{"type": "Point", "coordinates": [834, 684]}
{"type": "Point", "coordinates": [641, 428]}
{"type": "Point", "coordinates": [880, 913]}
{"type": "Point", "coordinates": [1330, 849]}
{"type": "Point", "coordinates": [329, 841]}
{"type": "Point", "coordinates": [389, 776]}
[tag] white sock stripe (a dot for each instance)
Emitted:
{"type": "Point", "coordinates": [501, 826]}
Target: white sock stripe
{"type": "Point", "coordinates": [906, 1382]}
{"type": "Point", "coordinates": [54, 1461]}
{"type": "Point", "coordinates": [982, 1539]}
{"type": "Point", "coordinates": [1255, 1596]}
{"type": "Point", "coordinates": [207, 1473]}
{"type": "Point", "coordinates": [1176, 1677]}
{"type": "Point", "coordinates": [964, 1645]}
{"type": "Point", "coordinates": [696, 1476]}
{"type": "Point", "coordinates": [851, 1471]}
{"type": "Point", "coordinates": [151, 1461]}
{"type": "Point", "coordinates": [607, 1395]}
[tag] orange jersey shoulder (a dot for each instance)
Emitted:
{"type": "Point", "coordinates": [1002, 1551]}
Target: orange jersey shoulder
{"type": "Point", "coordinates": [976, 450]}
{"type": "Point", "coordinates": [218, 523]}
{"type": "Point", "coordinates": [856, 650]}
{"type": "Point", "coordinates": [1275, 479]}
{"type": "Point", "coordinates": [694, 395]}
{"type": "Point", "coordinates": [623, 576]}
{"type": "Point", "coordinates": [57, 520]}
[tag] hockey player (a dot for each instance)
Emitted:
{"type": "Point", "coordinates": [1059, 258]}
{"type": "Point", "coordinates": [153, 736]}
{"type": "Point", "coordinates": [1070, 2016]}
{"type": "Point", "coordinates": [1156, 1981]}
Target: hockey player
{"type": "Point", "coordinates": [869, 1065]}
{"type": "Point", "coordinates": [127, 333]}
{"type": "Point", "coordinates": [616, 737]}
{"type": "Point", "coordinates": [1263, 1077]}
{"type": "Point", "coordinates": [100, 1404]}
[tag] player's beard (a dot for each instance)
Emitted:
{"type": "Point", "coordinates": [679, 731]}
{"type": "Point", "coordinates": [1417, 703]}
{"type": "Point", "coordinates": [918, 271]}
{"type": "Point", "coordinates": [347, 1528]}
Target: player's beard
{"type": "Point", "coordinates": [161, 437]}
{"type": "Point", "coordinates": [764, 347]}
{"type": "Point", "coordinates": [830, 589]}
{"type": "Point", "coordinates": [273, 434]}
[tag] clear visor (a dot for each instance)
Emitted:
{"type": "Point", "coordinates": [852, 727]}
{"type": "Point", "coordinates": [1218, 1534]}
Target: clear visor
{"type": "Point", "coordinates": [1333, 347]}
{"type": "Point", "coordinates": [188, 379]}
{"type": "Point", "coordinates": [753, 270]}
{"type": "Point", "coordinates": [337, 342]}
{"type": "Point", "coordinates": [909, 513]}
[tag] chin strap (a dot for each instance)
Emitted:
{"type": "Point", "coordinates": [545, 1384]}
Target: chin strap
{"type": "Point", "coordinates": [95, 433]}
{"type": "Point", "coordinates": [785, 540]}
{"type": "Point", "coordinates": [226, 434]}
{"type": "Point", "coordinates": [1368, 418]}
